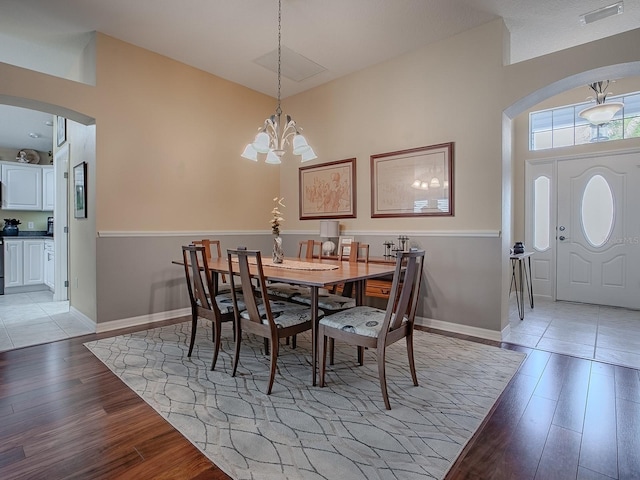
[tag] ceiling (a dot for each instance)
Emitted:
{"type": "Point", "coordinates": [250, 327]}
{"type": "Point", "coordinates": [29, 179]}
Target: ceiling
{"type": "Point", "coordinates": [338, 37]}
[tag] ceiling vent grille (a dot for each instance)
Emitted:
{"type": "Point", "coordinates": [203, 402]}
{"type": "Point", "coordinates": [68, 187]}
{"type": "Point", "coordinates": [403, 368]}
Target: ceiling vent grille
{"type": "Point", "coordinates": [601, 13]}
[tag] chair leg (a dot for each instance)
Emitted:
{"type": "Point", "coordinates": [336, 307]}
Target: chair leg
{"type": "Point", "coordinates": [322, 354]}
{"type": "Point", "coordinates": [217, 334]}
{"type": "Point", "coordinates": [194, 327]}
{"type": "Point", "coordinates": [294, 342]}
{"type": "Point", "coordinates": [383, 377]}
{"type": "Point", "coordinates": [360, 356]}
{"type": "Point", "coordinates": [412, 363]}
{"type": "Point", "coordinates": [236, 355]}
{"type": "Point", "coordinates": [332, 350]}
{"type": "Point", "coordinates": [266, 346]}
{"type": "Point", "coordinates": [273, 361]}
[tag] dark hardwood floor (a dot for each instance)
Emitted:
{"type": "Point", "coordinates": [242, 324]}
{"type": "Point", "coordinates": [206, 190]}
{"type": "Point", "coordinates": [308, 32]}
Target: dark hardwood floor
{"type": "Point", "coordinates": [64, 415]}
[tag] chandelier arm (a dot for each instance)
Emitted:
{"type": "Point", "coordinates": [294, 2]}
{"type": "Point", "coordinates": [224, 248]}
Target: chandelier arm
{"type": "Point", "coordinates": [286, 136]}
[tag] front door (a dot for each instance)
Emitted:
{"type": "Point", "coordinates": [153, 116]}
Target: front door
{"type": "Point", "coordinates": [598, 230]}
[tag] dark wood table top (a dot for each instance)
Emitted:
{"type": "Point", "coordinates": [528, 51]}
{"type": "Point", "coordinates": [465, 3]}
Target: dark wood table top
{"type": "Point", "coordinates": [346, 271]}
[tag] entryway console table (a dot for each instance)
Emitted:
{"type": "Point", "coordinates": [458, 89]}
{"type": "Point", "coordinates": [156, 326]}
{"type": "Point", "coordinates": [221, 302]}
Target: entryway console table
{"type": "Point", "coordinates": [521, 275]}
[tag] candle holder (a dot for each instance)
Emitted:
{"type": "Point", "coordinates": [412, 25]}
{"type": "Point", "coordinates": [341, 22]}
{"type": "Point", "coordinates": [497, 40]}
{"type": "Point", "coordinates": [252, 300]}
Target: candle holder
{"type": "Point", "coordinates": [388, 246]}
{"type": "Point", "coordinates": [403, 243]}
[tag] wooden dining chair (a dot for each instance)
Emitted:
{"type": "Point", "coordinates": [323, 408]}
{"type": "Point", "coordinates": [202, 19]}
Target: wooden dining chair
{"type": "Point", "coordinates": [209, 251]}
{"type": "Point", "coordinates": [216, 308]}
{"type": "Point", "coordinates": [265, 318]}
{"type": "Point", "coordinates": [371, 327]}
{"type": "Point", "coordinates": [354, 252]}
{"type": "Point", "coordinates": [307, 249]}
{"type": "Point", "coordinates": [331, 300]}
{"type": "Point", "coordinates": [310, 249]}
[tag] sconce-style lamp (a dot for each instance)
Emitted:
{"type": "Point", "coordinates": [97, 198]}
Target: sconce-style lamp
{"type": "Point", "coordinates": [329, 229]}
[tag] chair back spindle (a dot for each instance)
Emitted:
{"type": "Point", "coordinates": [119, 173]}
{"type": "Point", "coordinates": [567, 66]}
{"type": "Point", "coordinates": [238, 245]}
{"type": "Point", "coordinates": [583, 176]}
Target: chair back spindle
{"type": "Point", "coordinates": [403, 299]}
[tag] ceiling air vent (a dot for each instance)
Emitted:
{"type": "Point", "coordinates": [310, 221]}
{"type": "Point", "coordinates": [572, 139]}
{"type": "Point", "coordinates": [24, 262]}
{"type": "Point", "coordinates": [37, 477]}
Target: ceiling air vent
{"type": "Point", "coordinates": [604, 12]}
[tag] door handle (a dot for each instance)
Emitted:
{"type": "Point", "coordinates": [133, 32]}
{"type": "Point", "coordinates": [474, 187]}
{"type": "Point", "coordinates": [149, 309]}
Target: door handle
{"type": "Point", "coordinates": [561, 237]}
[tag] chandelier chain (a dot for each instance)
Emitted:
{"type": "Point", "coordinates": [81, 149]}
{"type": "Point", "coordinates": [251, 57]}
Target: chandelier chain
{"type": "Point", "coordinates": [279, 110]}
{"type": "Point", "coordinates": [277, 133]}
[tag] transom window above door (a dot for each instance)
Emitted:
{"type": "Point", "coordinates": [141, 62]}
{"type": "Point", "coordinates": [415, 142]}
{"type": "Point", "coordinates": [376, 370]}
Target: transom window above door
{"type": "Point", "coordinates": [563, 127]}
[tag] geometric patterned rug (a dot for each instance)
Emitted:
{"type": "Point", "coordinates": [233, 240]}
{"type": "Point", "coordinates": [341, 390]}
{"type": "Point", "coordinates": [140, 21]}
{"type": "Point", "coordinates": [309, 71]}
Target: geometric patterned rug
{"type": "Point", "coordinates": [304, 432]}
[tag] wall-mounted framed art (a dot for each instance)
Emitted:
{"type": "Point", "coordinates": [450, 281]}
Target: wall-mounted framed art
{"type": "Point", "coordinates": [328, 190]}
{"type": "Point", "coordinates": [345, 240]}
{"type": "Point", "coordinates": [61, 133]}
{"type": "Point", "coordinates": [80, 190]}
{"type": "Point", "coordinates": [412, 183]}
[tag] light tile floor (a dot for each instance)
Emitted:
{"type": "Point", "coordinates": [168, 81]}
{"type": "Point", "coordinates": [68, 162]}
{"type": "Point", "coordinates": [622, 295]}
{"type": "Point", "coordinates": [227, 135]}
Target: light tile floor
{"type": "Point", "coordinates": [34, 318]}
{"type": "Point", "coordinates": [607, 334]}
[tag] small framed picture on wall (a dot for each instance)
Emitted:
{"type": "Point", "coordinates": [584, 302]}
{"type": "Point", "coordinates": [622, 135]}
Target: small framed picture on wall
{"type": "Point", "coordinates": [80, 190]}
{"type": "Point", "coordinates": [61, 135]}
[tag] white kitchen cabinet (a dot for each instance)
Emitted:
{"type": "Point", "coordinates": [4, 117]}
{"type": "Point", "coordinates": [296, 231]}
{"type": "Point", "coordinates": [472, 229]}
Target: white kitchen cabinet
{"type": "Point", "coordinates": [23, 262]}
{"type": "Point", "coordinates": [49, 262]}
{"type": "Point", "coordinates": [13, 263]}
{"type": "Point", "coordinates": [33, 262]}
{"type": "Point", "coordinates": [48, 188]}
{"type": "Point", "coordinates": [21, 186]}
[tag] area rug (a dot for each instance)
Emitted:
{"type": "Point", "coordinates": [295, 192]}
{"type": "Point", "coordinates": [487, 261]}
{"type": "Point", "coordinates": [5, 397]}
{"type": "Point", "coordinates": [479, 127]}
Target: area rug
{"type": "Point", "coordinates": [341, 431]}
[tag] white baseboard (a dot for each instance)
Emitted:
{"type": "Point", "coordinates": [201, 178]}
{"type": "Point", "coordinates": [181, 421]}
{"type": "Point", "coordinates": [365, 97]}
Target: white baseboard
{"type": "Point", "coordinates": [141, 320]}
{"type": "Point", "coordinates": [83, 318]}
{"type": "Point", "coordinates": [161, 316]}
{"type": "Point", "coordinates": [463, 329]}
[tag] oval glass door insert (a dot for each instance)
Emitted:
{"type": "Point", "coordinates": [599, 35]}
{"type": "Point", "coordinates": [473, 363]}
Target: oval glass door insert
{"type": "Point", "coordinates": [597, 211]}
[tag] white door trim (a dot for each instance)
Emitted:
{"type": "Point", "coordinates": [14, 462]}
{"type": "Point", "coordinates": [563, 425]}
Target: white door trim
{"type": "Point", "coordinates": [60, 222]}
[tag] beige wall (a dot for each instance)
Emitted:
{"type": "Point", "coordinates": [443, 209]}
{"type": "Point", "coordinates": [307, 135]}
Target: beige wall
{"type": "Point", "coordinates": [443, 93]}
{"type": "Point", "coordinates": [167, 143]}
{"type": "Point", "coordinates": [456, 90]}
{"type": "Point", "coordinates": [168, 139]}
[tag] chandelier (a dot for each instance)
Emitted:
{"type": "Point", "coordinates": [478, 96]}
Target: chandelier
{"type": "Point", "coordinates": [601, 113]}
{"type": "Point", "coordinates": [275, 135]}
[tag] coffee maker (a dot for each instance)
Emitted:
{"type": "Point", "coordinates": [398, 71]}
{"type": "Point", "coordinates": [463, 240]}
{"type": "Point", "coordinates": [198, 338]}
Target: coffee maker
{"type": "Point", "coordinates": [50, 226]}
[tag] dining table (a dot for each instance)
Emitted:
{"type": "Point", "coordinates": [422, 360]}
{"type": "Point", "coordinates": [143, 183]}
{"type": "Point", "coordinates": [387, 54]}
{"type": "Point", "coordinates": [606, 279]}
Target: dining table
{"type": "Point", "coordinates": [315, 274]}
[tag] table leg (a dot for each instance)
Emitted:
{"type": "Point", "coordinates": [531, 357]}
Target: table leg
{"type": "Point", "coordinates": [360, 289]}
{"type": "Point", "coordinates": [314, 331]}
{"type": "Point", "coordinates": [529, 281]}
{"type": "Point", "coordinates": [516, 281]}
{"type": "Point", "coordinates": [216, 282]}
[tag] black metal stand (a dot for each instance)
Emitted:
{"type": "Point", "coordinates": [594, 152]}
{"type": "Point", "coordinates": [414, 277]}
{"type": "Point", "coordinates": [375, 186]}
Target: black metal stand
{"type": "Point", "coordinates": [522, 264]}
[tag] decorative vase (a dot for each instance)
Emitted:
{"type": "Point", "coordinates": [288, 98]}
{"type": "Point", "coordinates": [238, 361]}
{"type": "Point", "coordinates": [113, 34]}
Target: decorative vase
{"type": "Point", "coordinates": [518, 248]}
{"type": "Point", "coordinates": [278, 253]}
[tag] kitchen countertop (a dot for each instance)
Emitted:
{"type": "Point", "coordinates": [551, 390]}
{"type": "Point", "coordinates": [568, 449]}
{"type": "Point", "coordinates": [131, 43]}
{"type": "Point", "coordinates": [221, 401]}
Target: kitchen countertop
{"type": "Point", "coordinates": [34, 235]}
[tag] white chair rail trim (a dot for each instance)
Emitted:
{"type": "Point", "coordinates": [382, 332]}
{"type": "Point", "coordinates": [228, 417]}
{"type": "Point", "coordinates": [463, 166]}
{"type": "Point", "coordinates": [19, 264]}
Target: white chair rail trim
{"type": "Point", "coordinates": [191, 233]}
{"type": "Point", "coordinates": [220, 233]}
{"type": "Point", "coordinates": [417, 233]}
